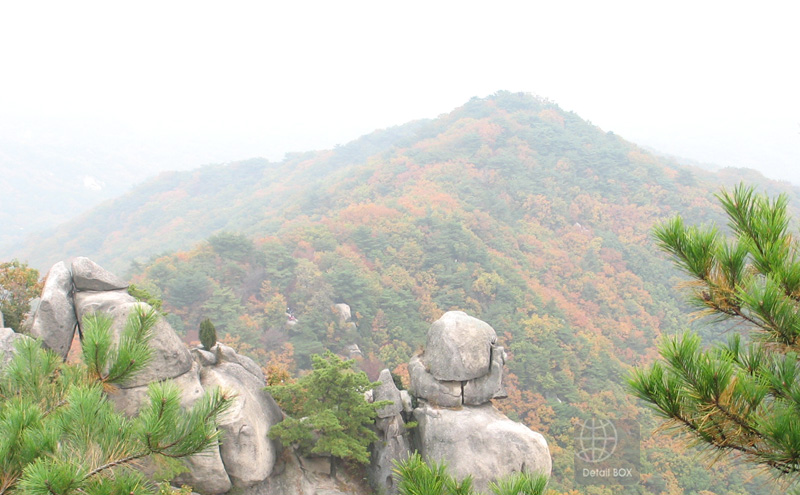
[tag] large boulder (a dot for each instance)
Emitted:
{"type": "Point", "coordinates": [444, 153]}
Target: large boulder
{"type": "Point", "coordinates": [425, 386]}
{"type": "Point", "coordinates": [248, 454]}
{"type": "Point", "coordinates": [479, 441]}
{"type": "Point", "coordinates": [206, 471]}
{"type": "Point", "coordinates": [54, 320]}
{"type": "Point", "coordinates": [88, 275]}
{"type": "Point", "coordinates": [170, 356]}
{"type": "Point", "coordinates": [459, 347]}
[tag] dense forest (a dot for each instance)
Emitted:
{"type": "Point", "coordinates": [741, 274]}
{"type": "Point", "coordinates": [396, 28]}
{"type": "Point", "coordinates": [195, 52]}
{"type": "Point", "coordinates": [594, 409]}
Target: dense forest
{"type": "Point", "coordinates": [508, 208]}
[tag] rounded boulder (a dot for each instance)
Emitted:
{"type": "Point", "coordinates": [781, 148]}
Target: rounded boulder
{"type": "Point", "coordinates": [459, 347]}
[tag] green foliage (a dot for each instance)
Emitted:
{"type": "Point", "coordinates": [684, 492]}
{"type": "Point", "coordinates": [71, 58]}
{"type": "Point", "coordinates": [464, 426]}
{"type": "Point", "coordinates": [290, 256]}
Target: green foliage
{"type": "Point", "coordinates": [327, 412]}
{"type": "Point", "coordinates": [508, 208]}
{"type": "Point", "coordinates": [143, 295]}
{"type": "Point", "coordinates": [208, 334]}
{"type": "Point", "coordinates": [232, 245]}
{"type": "Point", "coordinates": [736, 397]}
{"type": "Point", "coordinates": [18, 285]}
{"type": "Point", "coordinates": [60, 434]}
{"type": "Point", "coordinates": [416, 477]}
{"type": "Point", "coordinates": [520, 483]}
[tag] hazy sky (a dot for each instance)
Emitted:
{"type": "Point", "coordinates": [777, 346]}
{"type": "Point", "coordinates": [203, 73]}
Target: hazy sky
{"type": "Point", "coordinates": [713, 81]}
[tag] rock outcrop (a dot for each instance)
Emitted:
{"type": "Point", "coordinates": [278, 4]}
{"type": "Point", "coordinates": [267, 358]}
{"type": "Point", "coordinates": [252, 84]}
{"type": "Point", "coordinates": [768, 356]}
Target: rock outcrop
{"type": "Point", "coordinates": [459, 347]}
{"type": "Point", "coordinates": [248, 454]}
{"type": "Point", "coordinates": [54, 319]}
{"type": "Point", "coordinates": [455, 379]}
{"type": "Point", "coordinates": [393, 438]}
{"type": "Point", "coordinates": [479, 441]}
{"type": "Point", "coordinates": [8, 339]}
{"type": "Point", "coordinates": [246, 457]}
{"type": "Point", "coordinates": [462, 363]}
{"type": "Point", "coordinates": [89, 276]}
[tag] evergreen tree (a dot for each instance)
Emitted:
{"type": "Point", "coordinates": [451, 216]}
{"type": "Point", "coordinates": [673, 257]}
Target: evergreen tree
{"type": "Point", "coordinates": [326, 410]}
{"type": "Point", "coordinates": [60, 434]}
{"type": "Point", "coordinates": [208, 334]}
{"type": "Point", "coordinates": [742, 397]}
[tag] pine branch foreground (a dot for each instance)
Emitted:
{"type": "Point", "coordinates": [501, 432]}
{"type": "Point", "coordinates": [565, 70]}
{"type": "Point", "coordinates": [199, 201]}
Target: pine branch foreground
{"type": "Point", "coordinates": [741, 397]}
{"type": "Point", "coordinates": [60, 434]}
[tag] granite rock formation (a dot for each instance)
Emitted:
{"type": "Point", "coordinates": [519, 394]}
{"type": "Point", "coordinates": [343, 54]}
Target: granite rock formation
{"type": "Point", "coordinates": [455, 380]}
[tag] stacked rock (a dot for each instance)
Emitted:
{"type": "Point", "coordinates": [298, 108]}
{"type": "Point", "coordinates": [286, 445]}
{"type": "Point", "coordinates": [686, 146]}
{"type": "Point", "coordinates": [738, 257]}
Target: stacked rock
{"type": "Point", "coordinates": [461, 365]}
{"type": "Point", "coordinates": [455, 379]}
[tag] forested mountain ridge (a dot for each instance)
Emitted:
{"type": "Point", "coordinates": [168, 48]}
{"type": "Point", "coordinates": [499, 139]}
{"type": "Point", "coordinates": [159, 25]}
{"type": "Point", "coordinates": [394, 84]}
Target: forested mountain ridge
{"type": "Point", "coordinates": [508, 208]}
{"type": "Point", "coordinates": [176, 209]}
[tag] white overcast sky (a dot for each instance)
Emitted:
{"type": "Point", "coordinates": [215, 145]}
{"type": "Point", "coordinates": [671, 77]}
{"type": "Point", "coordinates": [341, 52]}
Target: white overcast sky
{"type": "Point", "coordinates": [712, 81]}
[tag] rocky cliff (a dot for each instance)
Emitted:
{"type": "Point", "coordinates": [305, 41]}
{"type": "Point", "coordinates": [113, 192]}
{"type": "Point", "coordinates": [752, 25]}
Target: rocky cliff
{"type": "Point", "coordinates": [453, 382]}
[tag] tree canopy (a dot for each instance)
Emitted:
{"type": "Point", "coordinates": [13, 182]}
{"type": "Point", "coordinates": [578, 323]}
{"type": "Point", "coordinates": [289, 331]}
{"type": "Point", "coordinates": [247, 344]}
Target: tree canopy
{"type": "Point", "coordinates": [18, 285]}
{"type": "Point", "coordinates": [327, 412]}
{"type": "Point", "coordinates": [741, 397]}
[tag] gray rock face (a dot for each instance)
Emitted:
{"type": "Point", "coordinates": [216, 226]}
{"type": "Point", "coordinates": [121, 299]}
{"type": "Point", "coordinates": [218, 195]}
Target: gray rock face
{"type": "Point", "coordinates": [393, 445]}
{"type": "Point", "coordinates": [248, 454]}
{"type": "Point", "coordinates": [295, 475]}
{"type": "Point", "coordinates": [226, 354]}
{"type": "Point", "coordinates": [487, 387]}
{"type": "Point", "coordinates": [393, 442]}
{"type": "Point", "coordinates": [205, 358]}
{"type": "Point", "coordinates": [101, 302]}
{"type": "Point", "coordinates": [425, 386]}
{"type": "Point", "coordinates": [130, 400]}
{"type": "Point", "coordinates": [387, 390]}
{"type": "Point", "coordinates": [88, 275]}
{"type": "Point", "coordinates": [54, 320]}
{"type": "Point", "coordinates": [342, 312]}
{"type": "Point", "coordinates": [170, 357]}
{"type": "Point", "coordinates": [405, 399]}
{"type": "Point", "coordinates": [206, 471]}
{"type": "Point", "coordinates": [481, 441]}
{"type": "Point", "coordinates": [8, 339]}
{"type": "Point", "coordinates": [458, 347]}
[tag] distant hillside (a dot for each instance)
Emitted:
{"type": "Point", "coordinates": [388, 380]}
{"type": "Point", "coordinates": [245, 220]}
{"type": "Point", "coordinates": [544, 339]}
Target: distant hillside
{"type": "Point", "coordinates": [508, 208]}
{"type": "Point", "coordinates": [51, 178]}
{"type": "Point", "coordinates": [177, 209]}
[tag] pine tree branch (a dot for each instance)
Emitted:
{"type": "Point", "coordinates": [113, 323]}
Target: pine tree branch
{"type": "Point", "coordinates": [114, 463]}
